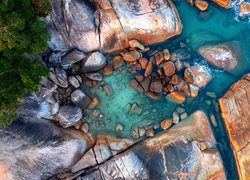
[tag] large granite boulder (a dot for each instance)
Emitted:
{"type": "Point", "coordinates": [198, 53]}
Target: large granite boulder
{"type": "Point", "coordinates": [36, 149]}
{"type": "Point", "coordinates": [221, 56]}
{"type": "Point", "coordinates": [186, 151]}
{"type": "Point", "coordinates": [108, 26]}
{"type": "Point", "coordinates": [235, 106]}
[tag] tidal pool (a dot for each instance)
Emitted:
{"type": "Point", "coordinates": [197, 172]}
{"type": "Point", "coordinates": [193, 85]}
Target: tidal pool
{"type": "Point", "coordinates": [213, 26]}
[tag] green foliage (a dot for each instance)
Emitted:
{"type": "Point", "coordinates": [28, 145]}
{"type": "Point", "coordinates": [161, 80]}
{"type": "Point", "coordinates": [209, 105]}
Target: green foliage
{"type": "Point", "coordinates": [22, 32]}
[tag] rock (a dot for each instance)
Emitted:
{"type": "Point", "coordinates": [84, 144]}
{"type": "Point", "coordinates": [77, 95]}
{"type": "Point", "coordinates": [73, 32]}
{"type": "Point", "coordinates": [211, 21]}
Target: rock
{"type": "Point", "coordinates": [176, 118]}
{"type": "Point", "coordinates": [142, 131]}
{"type": "Point", "coordinates": [166, 54]}
{"type": "Point", "coordinates": [150, 133]}
{"type": "Point", "coordinates": [169, 68]}
{"type": "Point", "coordinates": [136, 109]}
{"type": "Point", "coordinates": [143, 62]}
{"type": "Point", "coordinates": [145, 83]}
{"type": "Point", "coordinates": [176, 97]}
{"type": "Point", "coordinates": [40, 149]}
{"type": "Point", "coordinates": [180, 110]}
{"type": "Point", "coordinates": [191, 90]}
{"type": "Point", "coordinates": [59, 76]}
{"type": "Point", "coordinates": [223, 3]}
{"type": "Point", "coordinates": [159, 57]}
{"type": "Point", "coordinates": [166, 124]}
{"type": "Point", "coordinates": [148, 159]}
{"type": "Point", "coordinates": [154, 96]}
{"type": "Point", "coordinates": [220, 56]}
{"type": "Point", "coordinates": [179, 65]}
{"type": "Point", "coordinates": [211, 94]}
{"type": "Point", "coordinates": [213, 120]}
{"type": "Point", "coordinates": [197, 75]}
{"type": "Point", "coordinates": [117, 61]}
{"type": "Point", "coordinates": [45, 90]}
{"type": "Point", "coordinates": [94, 62]}
{"type": "Point", "coordinates": [68, 115]}
{"type": "Point", "coordinates": [108, 70]}
{"type": "Point", "coordinates": [55, 57]}
{"type": "Point", "coordinates": [139, 77]}
{"type": "Point", "coordinates": [136, 44]}
{"type": "Point", "coordinates": [244, 9]}
{"type": "Point", "coordinates": [94, 76]}
{"type": "Point", "coordinates": [135, 134]}
{"type": "Point", "coordinates": [105, 28]}
{"type": "Point", "coordinates": [234, 107]}
{"type": "Point", "coordinates": [174, 80]}
{"type": "Point", "coordinates": [72, 57]}
{"type": "Point", "coordinates": [191, 2]}
{"type": "Point", "coordinates": [108, 90]}
{"type": "Point", "coordinates": [95, 113]}
{"type": "Point", "coordinates": [78, 124]}
{"type": "Point", "coordinates": [54, 105]}
{"type": "Point", "coordinates": [118, 127]}
{"type": "Point", "coordinates": [131, 56]}
{"type": "Point", "coordinates": [156, 86]}
{"type": "Point", "coordinates": [85, 127]}
{"type": "Point", "coordinates": [74, 81]}
{"type": "Point", "coordinates": [94, 102]}
{"type": "Point", "coordinates": [183, 116]}
{"type": "Point", "coordinates": [80, 99]}
{"type": "Point", "coordinates": [202, 5]}
{"type": "Point", "coordinates": [135, 84]}
{"type": "Point", "coordinates": [149, 69]}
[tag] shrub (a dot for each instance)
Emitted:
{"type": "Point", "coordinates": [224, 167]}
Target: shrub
{"type": "Point", "coordinates": [22, 33]}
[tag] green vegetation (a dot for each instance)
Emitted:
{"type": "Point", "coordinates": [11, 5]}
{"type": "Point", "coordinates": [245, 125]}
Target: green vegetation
{"type": "Point", "coordinates": [22, 34]}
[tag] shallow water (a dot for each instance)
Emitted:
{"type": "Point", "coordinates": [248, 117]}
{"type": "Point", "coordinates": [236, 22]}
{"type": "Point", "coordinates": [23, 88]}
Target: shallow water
{"type": "Point", "coordinates": [214, 26]}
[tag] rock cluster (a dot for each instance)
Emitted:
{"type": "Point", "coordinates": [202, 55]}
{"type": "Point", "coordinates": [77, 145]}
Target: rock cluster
{"type": "Point", "coordinates": [235, 113]}
{"type": "Point", "coordinates": [164, 73]}
{"type": "Point", "coordinates": [107, 26]}
{"type": "Point", "coordinates": [186, 151]}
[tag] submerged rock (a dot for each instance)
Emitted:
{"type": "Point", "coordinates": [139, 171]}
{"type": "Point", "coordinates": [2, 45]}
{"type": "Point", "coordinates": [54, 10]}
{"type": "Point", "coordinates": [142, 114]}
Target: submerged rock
{"type": "Point", "coordinates": [176, 97]}
{"type": "Point", "coordinates": [165, 155]}
{"type": "Point", "coordinates": [93, 62]}
{"type": "Point", "coordinates": [235, 106]}
{"type": "Point", "coordinates": [108, 26]}
{"type": "Point", "coordinates": [34, 148]}
{"type": "Point", "coordinates": [221, 56]}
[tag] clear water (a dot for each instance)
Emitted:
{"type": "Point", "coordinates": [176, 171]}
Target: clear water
{"type": "Point", "coordinates": [214, 26]}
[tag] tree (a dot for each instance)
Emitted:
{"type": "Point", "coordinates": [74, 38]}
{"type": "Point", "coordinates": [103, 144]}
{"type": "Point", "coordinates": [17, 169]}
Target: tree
{"type": "Point", "coordinates": [22, 32]}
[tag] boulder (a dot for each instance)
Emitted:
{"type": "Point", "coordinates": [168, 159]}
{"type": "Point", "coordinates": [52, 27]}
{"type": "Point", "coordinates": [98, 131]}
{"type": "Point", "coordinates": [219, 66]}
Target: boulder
{"type": "Point", "coordinates": [135, 84]}
{"type": "Point", "coordinates": [72, 57]}
{"type": "Point", "coordinates": [234, 107]}
{"type": "Point", "coordinates": [74, 81]}
{"type": "Point", "coordinates": [108, 26]}
{"type": "Point", "coordinates": [156, 86]}
{"type": "Point", "coordinates": [221, 56]}
{"type": "Point", "coordinates": [149, 68]}
{"type": "Point", "coordinates": [189, 144]}
{"type": "Point", "coordinates": [146, 83]}
{"type": "Point", "coordinates": [166, 124]}
{"type": "Point", "coordinates": [143, 62]}
{"type": "Point", "coordinates": [136, 44]}
{"type": "Point", "coordinates": [59, 76]}
{"type": "Point", "coordinates": [94, 76]}
{"type": "Point", "coordinates": [80, 99]}
{"type": "Point", "coordinates": [94, 62]}
{"type": "Point", "coordinates": [202, 5]}
{"type": "Point", "coordinates": [68, 115]}
{"type": "Point", "coordinates": [131, 56]}
{"type": "Point", "coordinates": [169, 68]}
{"type": "Point", "coordinates": [223, 3]}
{"type": "Point", "coordinates": [176, 97]}
{"type": "Point", "coordinates": [244, 9]}
{"type": "Point", "coordinates": [197, 75]}
{"type": "Point", "coordinates": [166, 54]}
{"type": "Point", "coordinates": [33, 148]}
{"type": "Point", "coordinates": [159, 57]}
{"type": "Point", "coordinates": [117, 61]}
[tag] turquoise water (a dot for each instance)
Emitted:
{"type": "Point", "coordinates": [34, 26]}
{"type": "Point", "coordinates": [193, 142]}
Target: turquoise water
{"type": "Point", "coordinates": [213, 26]}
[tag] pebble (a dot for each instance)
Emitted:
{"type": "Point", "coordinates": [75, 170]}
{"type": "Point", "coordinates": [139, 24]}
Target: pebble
{"type": "Point", "coordinates": [176, 118]}
{"type": "Point", "coordinates": [119, 127]}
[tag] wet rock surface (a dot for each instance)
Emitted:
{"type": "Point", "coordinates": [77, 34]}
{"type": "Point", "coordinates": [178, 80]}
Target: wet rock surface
{"type": "Point", "coordinates": [235, 113]}
{"type": "Point", "coordinates": [164, 155]}
{"type": "Point", "coordinates": [71, 24]}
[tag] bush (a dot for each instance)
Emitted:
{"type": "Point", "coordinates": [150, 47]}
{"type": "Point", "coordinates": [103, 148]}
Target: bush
{"type": "Point", "coordinates": [22, 32]}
